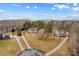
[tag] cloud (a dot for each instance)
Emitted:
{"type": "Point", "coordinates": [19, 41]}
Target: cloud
{"type": "Point", "coordinates": [75, 8]}
{"type": "Point", "coordinates": [74, 4]}
{"type": "Point", "coordinates": [46, 15]}
{"type": "Point", "coordinates": [17, 5]}
{"type": "Point", "coordinates": [3, 12]}
{"type": "Point", "coordinates": [62, 6]}
{"type": "Point", "coordinates": [75, 15]}
{"type": "Point", "coordinates": [53, 8]}
{"type": "Point", "coordinates": [35, 7]}
{"type": "Point", "coordinates": [27, 6]}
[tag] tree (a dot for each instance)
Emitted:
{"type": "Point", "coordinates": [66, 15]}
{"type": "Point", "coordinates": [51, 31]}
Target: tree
{"type": "Point", "coordinates": [18, 30]}
{"type": "Point", "coordinates": [27, 25]}
{"type": "Point", "coordinates": [74, 40]}
{"type": "Point", "coordinates": [48, 27]}
{"type": "Point", "coordinates": [39, 24]}
{"type": "Point", "coordinates": [13, 30]}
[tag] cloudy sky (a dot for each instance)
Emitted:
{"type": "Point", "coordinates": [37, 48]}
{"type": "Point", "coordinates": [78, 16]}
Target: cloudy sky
{"type": "Point", "coordinates": [38, 10]}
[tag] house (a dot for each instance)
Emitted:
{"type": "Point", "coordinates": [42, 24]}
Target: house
{"type": "Point", "coordinates": [4, 36]}
{"type": "Point", "coordinates": [1, 36]}
{"type": "Point", "coordinates": [32, 30]}
{"type": "Point", "coordinates": [60, 33]}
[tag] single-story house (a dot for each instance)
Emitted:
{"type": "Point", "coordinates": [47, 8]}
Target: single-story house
{"type": "Point", "coordinates": [4, 36]}
{"type": "Point", "coordinates": [1, 36]}
{"type": "Point", "coordinates": [32, 30]}
{"type": "Point", "coordinates": [60, 33]}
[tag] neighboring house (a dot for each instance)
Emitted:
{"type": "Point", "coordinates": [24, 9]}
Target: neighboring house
{"type": "Point", "coordinates": [32, 30]}
{"type": "Point", "coordinates": [60, 33]}
{"type": "Point", "coordinates": [4, 36]}
{"type": "Point", "coordinates": [1, 36]}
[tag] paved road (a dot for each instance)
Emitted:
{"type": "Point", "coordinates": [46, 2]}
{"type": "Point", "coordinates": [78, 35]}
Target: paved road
{"type": "Point", "coordinates": [57, 48]}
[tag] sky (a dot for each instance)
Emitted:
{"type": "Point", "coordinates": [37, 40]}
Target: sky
{"type": "Point", "coordinates": [35, 11]}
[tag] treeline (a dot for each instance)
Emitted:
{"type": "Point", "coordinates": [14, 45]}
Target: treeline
{"type": "Point", "coordinates": [39, 24]}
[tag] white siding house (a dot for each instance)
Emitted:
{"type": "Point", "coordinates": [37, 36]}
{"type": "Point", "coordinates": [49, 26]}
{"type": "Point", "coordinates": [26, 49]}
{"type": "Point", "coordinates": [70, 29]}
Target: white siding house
{"type": "Point", "coordinates": [32, 30]}
{"type": "Point", "coordinates": [60, 33]}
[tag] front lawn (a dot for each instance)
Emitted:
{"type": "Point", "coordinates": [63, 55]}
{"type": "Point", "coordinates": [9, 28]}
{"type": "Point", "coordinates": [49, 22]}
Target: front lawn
{"type": "Point", "coordinates": [9, 47]}
{"type": "Point", "coordinates": [44, 45]}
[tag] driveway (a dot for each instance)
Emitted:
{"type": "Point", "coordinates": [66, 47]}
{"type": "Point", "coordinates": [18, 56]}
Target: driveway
{"type": "Point", "coordinates": [19, 42]}
{"type": "Point", "coordinates": [26, 42]}
{"type": "Point", "coordinates": [57, 48]}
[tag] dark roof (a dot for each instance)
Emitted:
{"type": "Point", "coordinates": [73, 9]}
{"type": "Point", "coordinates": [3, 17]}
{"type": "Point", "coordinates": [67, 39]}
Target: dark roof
{"type": "Point", "coordinates": [31, 52]}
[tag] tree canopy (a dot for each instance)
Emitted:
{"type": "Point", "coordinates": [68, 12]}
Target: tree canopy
{"type": "Point", "coordinates": [39, 24]}
{"type": "Point", "coordinates": [48, 27]}
{"type": "Point", "coordinates": [27, 25]}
